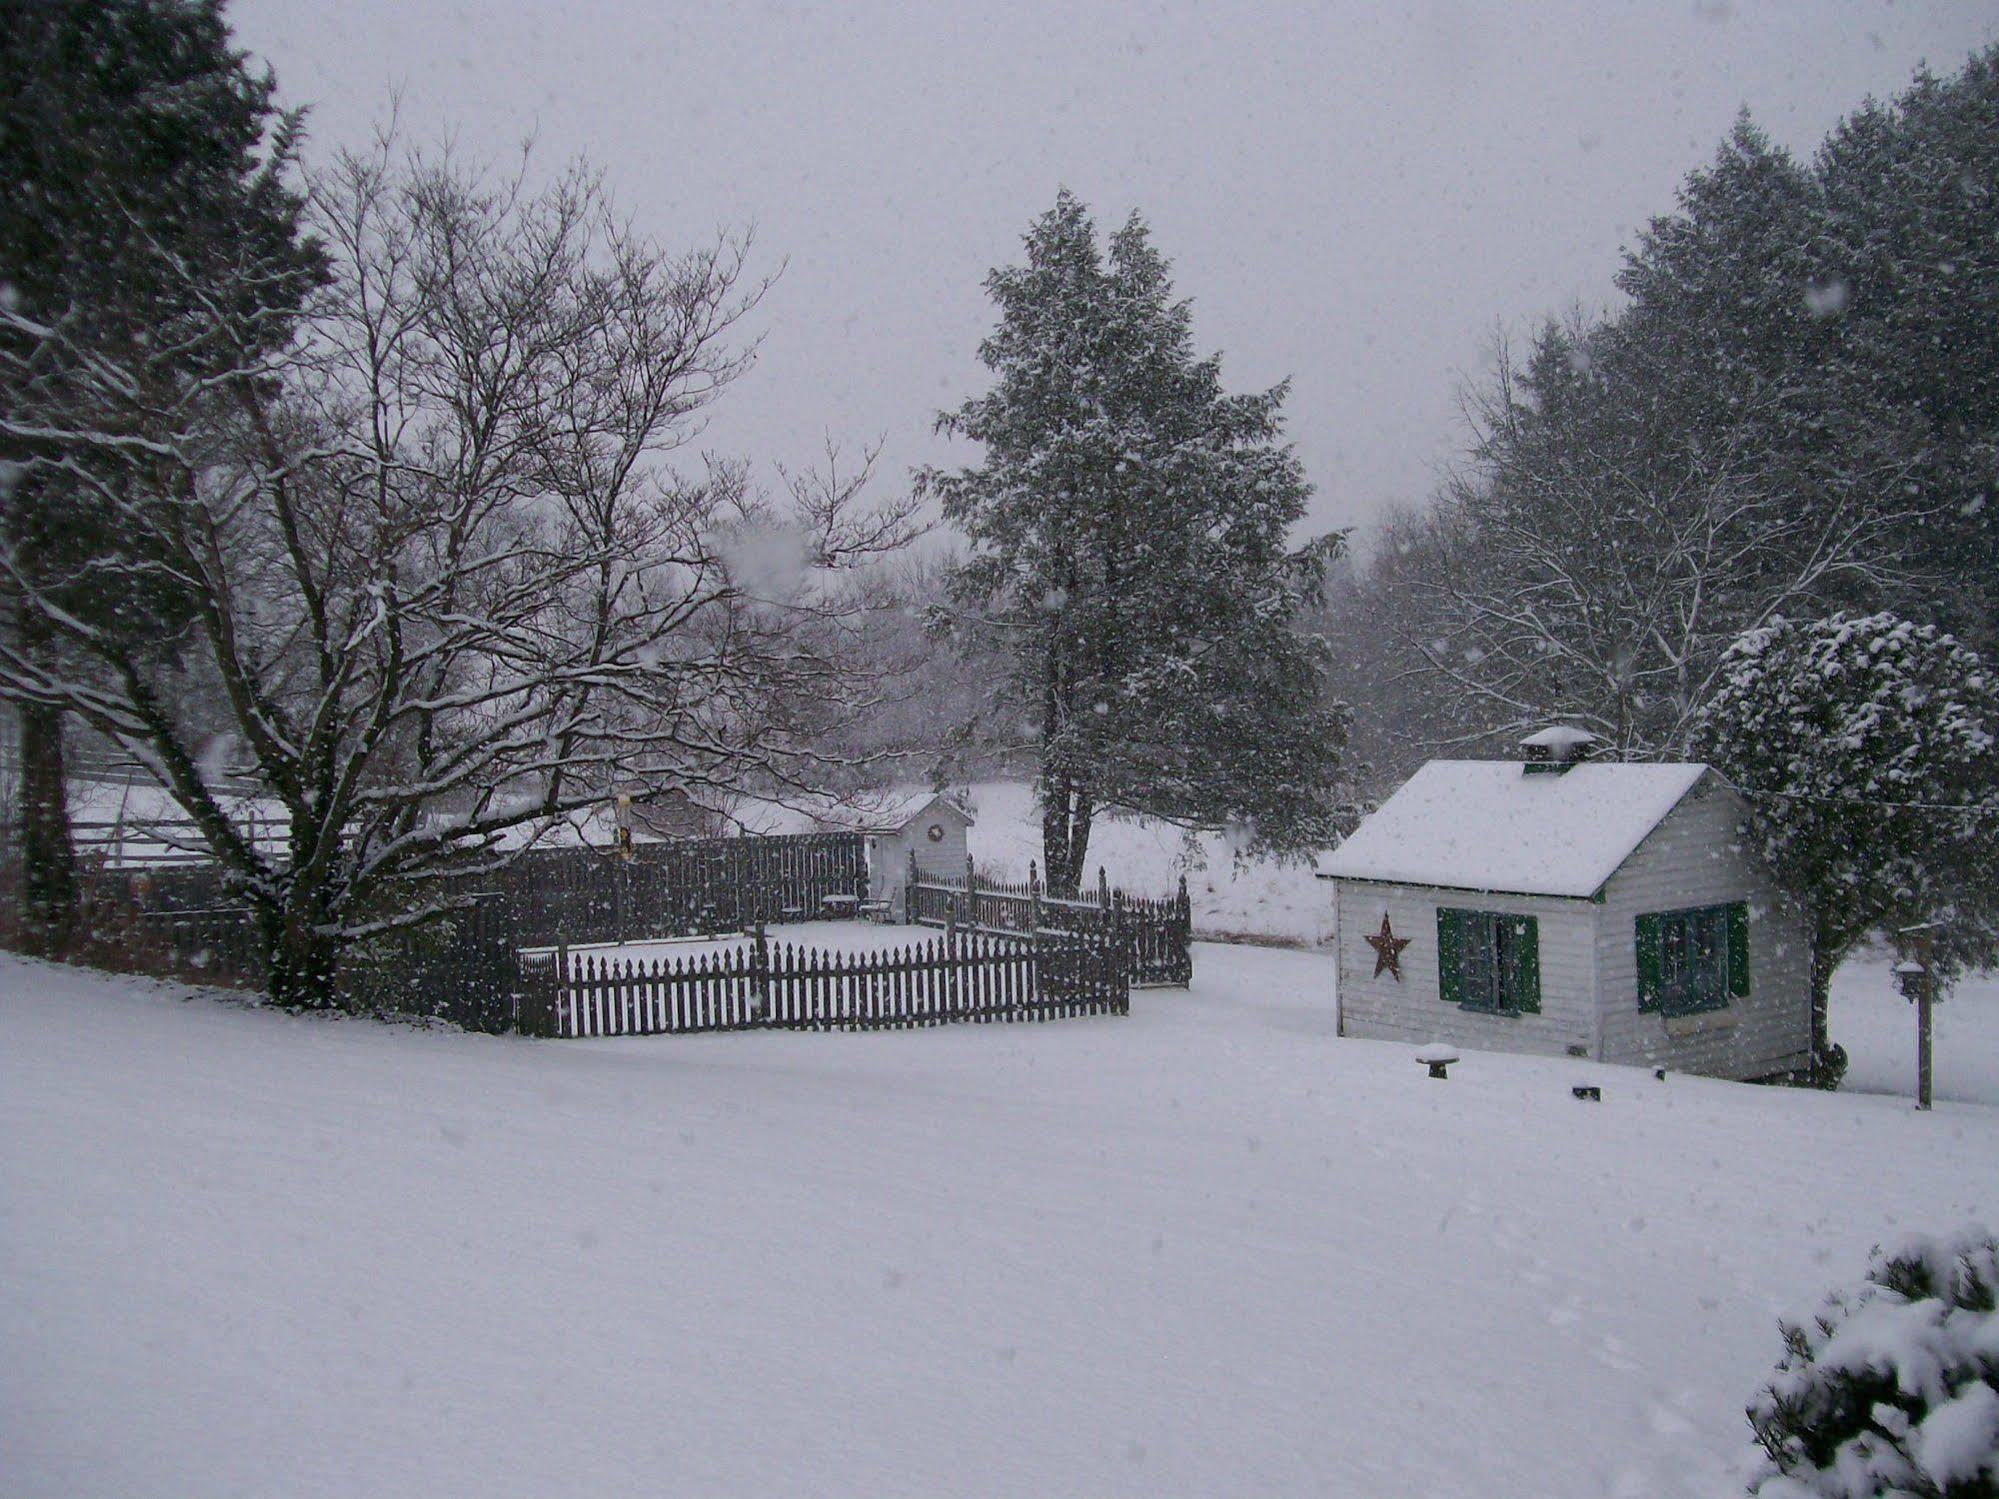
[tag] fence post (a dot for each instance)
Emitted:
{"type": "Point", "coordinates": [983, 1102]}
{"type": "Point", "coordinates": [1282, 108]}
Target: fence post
{"type": "Point", "coordinates": [559, 987]}
{"type": "Point", "coordinates": [760, 974]}
{"type": "Point", "coordinates": [1103, 888]}
{"type": "Point", "coordinates": [1034, 897]}
{"type": "Point", "coordinates": [971, 892]}
{"type": "Point", "coordinates": [1183, 916]}
{"type": "Point", "coordinates": [1119, 953]}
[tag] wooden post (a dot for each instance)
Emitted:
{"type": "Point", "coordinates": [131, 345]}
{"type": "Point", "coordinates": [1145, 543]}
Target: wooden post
{"type": "Point", "coordinates": [1183, 915]}
{"type": "Point", "coordinates": [971, 892]}
{"type": "Point", "coordinates": [1103, 888]}
{"type": "Point", "coordinates": [1926, 988]}
{"type": "Point", "coordinates": [1925, 998]}
{"type": "Point", "coordinates": [561, 987]}
{"type": "Point", "coordinates": [760, 974]}
{"type": "Point", "coordinates": [1918, 978]}
{"type": "Point", "coordinates": [1120, 943]}
{"type": "Point", "coordinates": [1034, 898]}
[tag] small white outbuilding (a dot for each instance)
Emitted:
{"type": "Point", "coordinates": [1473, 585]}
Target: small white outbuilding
{"type": "Point", "coordinates": [1566, 906]}
{"type": "Point", "coordinates": [925, 831]}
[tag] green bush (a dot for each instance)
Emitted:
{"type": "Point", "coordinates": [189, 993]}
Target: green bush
{"type": "Point", "coordinates": [1893, 1388]}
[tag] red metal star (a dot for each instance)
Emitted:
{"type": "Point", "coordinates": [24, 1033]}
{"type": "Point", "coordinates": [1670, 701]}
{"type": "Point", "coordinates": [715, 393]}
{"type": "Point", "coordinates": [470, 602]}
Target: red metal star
{"type": "Point", "coordinates": [1387, 949]}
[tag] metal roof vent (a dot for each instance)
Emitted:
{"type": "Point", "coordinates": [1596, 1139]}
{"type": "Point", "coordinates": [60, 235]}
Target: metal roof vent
{"type": "Point", "coordinates": [1557, 749]}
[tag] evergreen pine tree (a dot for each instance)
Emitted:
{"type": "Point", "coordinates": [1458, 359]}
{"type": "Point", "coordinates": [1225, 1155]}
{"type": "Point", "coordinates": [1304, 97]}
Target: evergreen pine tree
{"type": "Point", "coordinates": [146, 167]}
{"type": "Point", "coordinates": [1907, 264]}
{"type": "Point", "coordinates": [1869, 750]}
{"type": "Point", "coordinates": [1128, 534]}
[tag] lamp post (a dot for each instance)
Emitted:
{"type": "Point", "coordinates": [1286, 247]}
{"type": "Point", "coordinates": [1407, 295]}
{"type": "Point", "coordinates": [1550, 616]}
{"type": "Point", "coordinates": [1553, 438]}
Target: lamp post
{"type": "Point", "coordinates": [1915, 976]}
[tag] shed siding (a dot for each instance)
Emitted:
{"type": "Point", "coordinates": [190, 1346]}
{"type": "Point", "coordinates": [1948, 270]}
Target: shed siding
{"type": "Point", "coordinates": [1696, 857]}
{"type": "Point", "coordinates": [945, 859]}
{"type": "Point", "coordinates": [888, 854]}
{"type": "Point", "coordinates": [1382, 1009]}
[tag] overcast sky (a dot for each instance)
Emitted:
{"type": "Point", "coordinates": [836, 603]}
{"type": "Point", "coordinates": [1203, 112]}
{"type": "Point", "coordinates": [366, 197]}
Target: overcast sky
{"type": "Point", "coordinates": [1354, 195]}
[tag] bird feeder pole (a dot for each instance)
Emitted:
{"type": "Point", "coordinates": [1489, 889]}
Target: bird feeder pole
{"type": "Point", "coordinates": [1916, 973]}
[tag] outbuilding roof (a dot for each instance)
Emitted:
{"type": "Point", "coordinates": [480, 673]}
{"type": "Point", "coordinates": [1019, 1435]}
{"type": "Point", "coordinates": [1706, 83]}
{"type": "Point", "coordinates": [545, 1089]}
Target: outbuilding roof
{"type": "Point", "coordinates": [859, 812]}
{"type": "Point", "coordinates": [1483, 825]}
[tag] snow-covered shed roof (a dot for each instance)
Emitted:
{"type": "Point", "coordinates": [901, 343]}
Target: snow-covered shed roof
{"type": "Point", "coordinates": [1482, 825]}
{"type": "Point", "coordinates": [889, 811]}
{"type": "Point", "coordinates": [860, 812]}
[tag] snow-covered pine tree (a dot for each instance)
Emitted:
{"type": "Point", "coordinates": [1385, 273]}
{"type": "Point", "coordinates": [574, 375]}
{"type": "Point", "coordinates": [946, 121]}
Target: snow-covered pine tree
{"type": "Point", "coordinates": [1907, 270]}
{"type": "Point", "coordinates": [146, 166]}
{"type": "Point", "coordinates": [1868, 748]}
{"type": "Point", "coordinates": [1128, 550]}
{"type": "Point", "coordinates": [1893, 1388]}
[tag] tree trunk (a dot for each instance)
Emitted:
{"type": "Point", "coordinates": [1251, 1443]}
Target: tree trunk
{"type": "Point", "coordinates": [1081, 811]}
{"type": "Point", "coordinates": [1828, 1062]}
{"type": "Point", "coordinates": [300, 956]}
{"type": "Point", "coordinates": [1055, 865]}
{"type": "Point", "coordinates": [48, 858]}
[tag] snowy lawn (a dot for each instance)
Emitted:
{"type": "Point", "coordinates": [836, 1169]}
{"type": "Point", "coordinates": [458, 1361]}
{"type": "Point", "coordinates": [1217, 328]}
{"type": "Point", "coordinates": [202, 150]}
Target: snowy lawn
{"type": "Point", "coordinates": [1210, 1249]}
{"type": "Point", "coordinates": [816, 936]}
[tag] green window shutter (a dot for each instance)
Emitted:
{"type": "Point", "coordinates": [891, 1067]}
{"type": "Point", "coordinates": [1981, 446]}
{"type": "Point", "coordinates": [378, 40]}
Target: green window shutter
{"type": "Point", "coordinates": [1525, 979]}
{"type": "Point", "coordinates": [1738, 949]}
{"type": "Point", "coordinates": [1649, 985]}
{"type": "Point", "coordinates": [1450, 955]}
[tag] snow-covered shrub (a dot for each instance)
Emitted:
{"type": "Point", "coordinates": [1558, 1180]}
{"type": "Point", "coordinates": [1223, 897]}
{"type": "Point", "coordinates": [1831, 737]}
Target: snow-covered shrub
{"type": "Point", "coordinates": [1893, 1388]}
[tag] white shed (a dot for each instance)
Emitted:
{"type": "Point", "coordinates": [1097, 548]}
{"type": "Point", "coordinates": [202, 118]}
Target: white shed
{"type": "Point", "coordinates": [1608, 911]}
{"type": "Point", "coordinates": [930, 826]}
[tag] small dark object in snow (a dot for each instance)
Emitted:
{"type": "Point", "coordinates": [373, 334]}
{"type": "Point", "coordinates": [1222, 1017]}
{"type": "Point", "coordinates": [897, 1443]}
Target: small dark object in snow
{"type": "Point", "coordinates": [1436, 1056]}
{"type": "Point", "coordinates": [1659, 1073]}
{"type": "Point", "coordinates": [1588, 1091]}
{"type": "Point", "coordinates": [1577, 1049]}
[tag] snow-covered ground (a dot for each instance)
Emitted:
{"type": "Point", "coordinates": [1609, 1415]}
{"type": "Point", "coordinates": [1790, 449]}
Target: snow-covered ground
{"type": "Point", "coordinates": [815, 936]}
{"type": "Point", "coordinates": [1209, 1249]}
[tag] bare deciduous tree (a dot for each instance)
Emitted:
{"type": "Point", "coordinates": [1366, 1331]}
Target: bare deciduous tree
{"type": "Point", "coordinates": [448, 584]}
{"type": "Point", "coordinates": [1599, 555]}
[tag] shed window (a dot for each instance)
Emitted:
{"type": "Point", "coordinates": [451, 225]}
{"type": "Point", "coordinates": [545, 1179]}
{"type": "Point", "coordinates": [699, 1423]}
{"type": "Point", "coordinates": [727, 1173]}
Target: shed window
{"type": "Point", "coordinates": [1693, 960]}
{"type": "Point", "coordinates": [1489, 961]}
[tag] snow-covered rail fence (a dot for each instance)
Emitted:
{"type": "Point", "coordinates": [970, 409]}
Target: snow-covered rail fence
{"type": "Point", "coordinates": [1157, 932]}
{"type": "Point", "coordinates": [767, 986]}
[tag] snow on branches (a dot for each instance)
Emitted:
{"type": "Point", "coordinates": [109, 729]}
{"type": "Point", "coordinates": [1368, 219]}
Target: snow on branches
{"type": "Point", "coordinates": [1893, 1388]}
{"type": "Point", "coordinates": [445, 584]}
{"type": "Point", "coordinates": [1866, 747]}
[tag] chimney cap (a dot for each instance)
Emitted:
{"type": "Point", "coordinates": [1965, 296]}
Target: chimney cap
{"type": "Point", "coordinates": [1559, 737]}
{"type": "Point", "coordinates": [1557, 748]}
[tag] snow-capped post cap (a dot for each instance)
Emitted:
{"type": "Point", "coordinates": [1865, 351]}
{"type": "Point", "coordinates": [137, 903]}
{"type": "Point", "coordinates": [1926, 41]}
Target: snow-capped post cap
{"type": "Point", "coordinates": [1437, 1056]}
{"type": "Point", "coordinates": [1557, 748]}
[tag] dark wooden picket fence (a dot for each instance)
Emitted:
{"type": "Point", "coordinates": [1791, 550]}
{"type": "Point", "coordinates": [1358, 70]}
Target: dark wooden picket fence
{"type": "Point", "coordinates": [187, 920]}
{"type": "Point", "coordinates": [686, 888]}
{"type": "Point", "coordinates": [1158, 932]}
{"type": "Point", "coordinates": [459, 968]}
{"type": "Point", "coordinates": [777, 986]}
